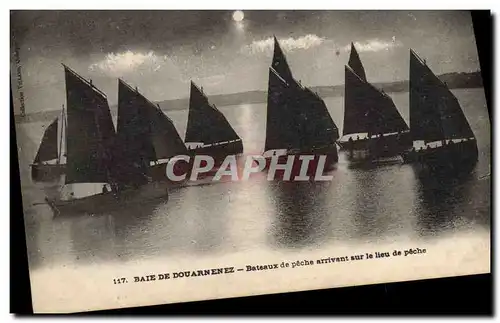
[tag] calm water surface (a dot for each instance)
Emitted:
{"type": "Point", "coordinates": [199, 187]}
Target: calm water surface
{"type": "Point", "coordinates": [366, 206]}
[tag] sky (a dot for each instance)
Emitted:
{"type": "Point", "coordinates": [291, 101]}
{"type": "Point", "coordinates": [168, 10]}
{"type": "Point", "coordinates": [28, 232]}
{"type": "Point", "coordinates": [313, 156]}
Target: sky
{"type": "Point", "coordinates": [160, 52]}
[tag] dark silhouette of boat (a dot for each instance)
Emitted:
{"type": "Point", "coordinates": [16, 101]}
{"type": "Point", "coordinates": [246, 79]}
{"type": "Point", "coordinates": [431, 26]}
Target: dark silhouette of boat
{"type": "Point", "coordinates": [94, 162]}
{"type": "Point", "coordinates": [208, 131]}
{"type": "Point", "coordinates": [373, 129]}
{"type": "Point", "coordinates": [146, 137]}
{"type": "Point", "coordinates": [443, 141]}
{"type": "Point", "coordinates": [47, 165]}
{"type": "Point", "coordinates": [298, 121]}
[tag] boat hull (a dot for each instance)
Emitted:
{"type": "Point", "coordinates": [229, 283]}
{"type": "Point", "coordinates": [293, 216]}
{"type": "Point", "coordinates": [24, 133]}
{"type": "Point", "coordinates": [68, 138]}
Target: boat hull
{"type": "Point", "coordinates": [361, 159]}
{"type": "Point", "coordinates": [449, 160]}
{"type": "Point", "coordinates": [331, 158]}
{"type": "Point", "coordinates": [158, 172]}
{"type": "Point", "coordinates": [181, 167]}
{"type": "Point", "coordinates": [219, 152]}
{"type": "Point", "coordinates": [47, 172]}
{"type": "Point", "coordinates": [387, 146]}
{"type": "Point", "coordinates": [110, 201]}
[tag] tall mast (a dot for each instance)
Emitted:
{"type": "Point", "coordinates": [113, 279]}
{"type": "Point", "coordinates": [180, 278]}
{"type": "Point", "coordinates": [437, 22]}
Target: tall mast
{"type": "Point", "coordinates": [61, 135]}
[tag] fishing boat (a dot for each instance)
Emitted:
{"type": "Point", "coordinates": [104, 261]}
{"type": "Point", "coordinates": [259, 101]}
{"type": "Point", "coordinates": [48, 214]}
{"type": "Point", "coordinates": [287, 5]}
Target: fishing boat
{"type": "Point", "coordinates": [443, 141]}
{"type": "Point", "coordinates": [147, 136]}
{"type": "Point", "coordinates": [94, 166]}
{"type": "Point", "coordinates": [373, 129]}
{"type": "Point", "coordinates": [47, 165]}
{"type": "Point", "coordinates": [298, 121]}
{"type": "Point", "coordinates": [208, 131]}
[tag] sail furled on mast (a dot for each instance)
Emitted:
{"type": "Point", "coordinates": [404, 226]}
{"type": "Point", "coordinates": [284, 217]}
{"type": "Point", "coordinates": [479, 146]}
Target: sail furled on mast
{"type": "Point", "coordinates": [355, 63]}
{"type": "Point", "coordinates": [367, 109]}
{"type": "Point", "coordinates": [279, 63]}
{"type": "Point", "coordinates": [435, 113]}
{"type": "Point", "coordinates": [90, 132]}
{"type": "Point", "coordinates": [206, 124]}
{"type": "Point", "coordinates": [48, 147]}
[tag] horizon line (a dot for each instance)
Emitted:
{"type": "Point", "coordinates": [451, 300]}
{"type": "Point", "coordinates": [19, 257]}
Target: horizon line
{"type": "Point", "coordinates": [256, 90]}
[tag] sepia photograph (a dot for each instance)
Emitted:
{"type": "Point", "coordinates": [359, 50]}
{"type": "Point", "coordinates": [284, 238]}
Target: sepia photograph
{"type": "Point", "coordinates": [169, 156]}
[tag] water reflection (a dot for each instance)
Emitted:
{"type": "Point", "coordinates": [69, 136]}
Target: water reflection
{"type": "Point", "coordinates": [367, 204]}
{"type": "Point", "coordinates": [46, 240]}
{"type": "Point", "coordinates": [358, 204]}
{"type": "Point", "coordinates": [249, 213]}
{"type": "Point", "coordinates": [115, 236]}
{"type": "Point", "coordinates": [301, 218]}
{"type": "Point", "coordinates": [33, 234]}
{"type": "Point", "coordinates": [90, 238]}
{"type": "Point", "coordinates": [248, 124]}
{"type": "Point", "coordinates": [206, 225]}
{"type": "Point", "coordinates": [131, 231]}
{"type": "Point", "coordinates": [194, 220]}
{"type": "Point", "coordinates": [382, 200]}
{"type": "Point", "coordinates": [443, 203]}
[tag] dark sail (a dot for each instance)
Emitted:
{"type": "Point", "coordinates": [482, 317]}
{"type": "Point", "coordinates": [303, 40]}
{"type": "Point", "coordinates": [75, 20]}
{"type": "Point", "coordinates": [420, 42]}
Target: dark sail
{"type": "Point", "coordinates": [48, 147]}
{"type": "Point", "coordinates": [455, 124]}
{"type": "Point", "coordinates": [133, 150]}
{"type": "Point", "coordinates": [206, 124]}
{"type": "Point", "coordinates": [425, 119]}
{"type": "Point", "coordinates": [90, 132]}
{"type": "Point", "coordinates": [356, 105]}
{"type": "Point", "coordinates": [279, 64]}
{"type": "Point", "coordinates": [435, 113]}
{"type": "Point", "coordinates": [280, 126]}
{"type": "Point", "coordinates": [144, 131]}
{"type": "Point", "coordinates": [133, 125]}
{"type": "Point", "coordinates": [166, 140]}
{"type": "Point", "coordinates": [367, 109]}
{"type": "Point", "coordinates": [355, 63]}
{"type": "Point", "coordinates": [315, 125]}
{"type": "Point", "coordinates": [297, 118]}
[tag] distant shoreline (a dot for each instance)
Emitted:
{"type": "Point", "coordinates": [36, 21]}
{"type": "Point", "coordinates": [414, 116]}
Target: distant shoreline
{"type": "Point", "coordinates": [453, 80]}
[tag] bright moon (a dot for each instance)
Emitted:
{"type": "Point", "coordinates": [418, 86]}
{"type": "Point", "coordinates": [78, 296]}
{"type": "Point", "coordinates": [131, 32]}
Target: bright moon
{"type": "Point", "coordinates": [238, 15]}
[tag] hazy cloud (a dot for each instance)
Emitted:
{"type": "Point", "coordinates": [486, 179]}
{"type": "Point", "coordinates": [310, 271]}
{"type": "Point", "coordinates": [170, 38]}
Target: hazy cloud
{"type": "Point", "coordinates": [206, 81]}
{"type": "Point", "coordinates": [374, 45]}
{"type": "Point", "coordinates": [289, 44]}
{"type": "Point", "coordinates": [121, 63]}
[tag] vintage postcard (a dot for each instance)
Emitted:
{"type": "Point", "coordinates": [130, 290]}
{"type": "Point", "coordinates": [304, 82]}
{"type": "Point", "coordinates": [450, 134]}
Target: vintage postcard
{"type": "Point", "coordinates": [173, 156]}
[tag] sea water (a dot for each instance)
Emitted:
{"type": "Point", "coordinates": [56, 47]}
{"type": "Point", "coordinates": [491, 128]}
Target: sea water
{"type": "Point", "coordinates": [358, 206]}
